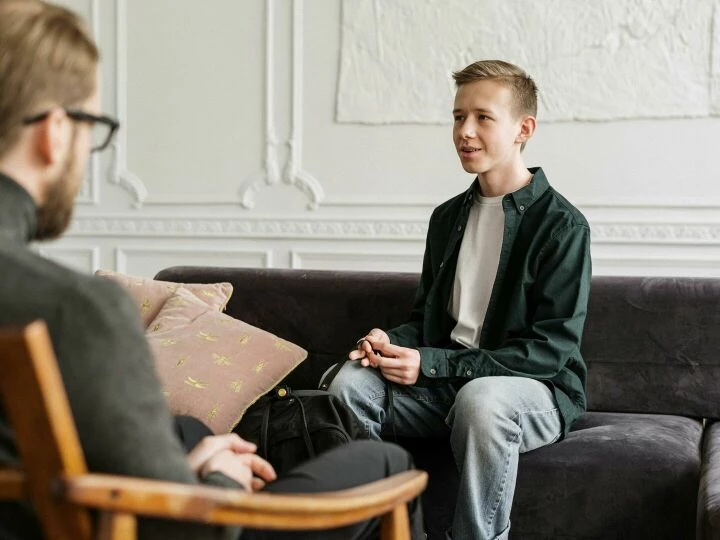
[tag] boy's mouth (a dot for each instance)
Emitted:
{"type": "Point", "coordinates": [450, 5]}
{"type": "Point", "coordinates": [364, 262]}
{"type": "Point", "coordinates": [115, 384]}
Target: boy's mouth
{"type": "Point", "coordinates": [468, 150]}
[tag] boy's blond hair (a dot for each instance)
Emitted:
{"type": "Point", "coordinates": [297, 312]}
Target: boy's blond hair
{"type": "Point", "coordinates": [47, 57]}
{"type": "Point", "coordinates": [520, 83]}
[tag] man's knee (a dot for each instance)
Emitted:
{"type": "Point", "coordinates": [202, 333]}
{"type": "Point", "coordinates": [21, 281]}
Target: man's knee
{"type": "Point", "coordinates": [395, 458]}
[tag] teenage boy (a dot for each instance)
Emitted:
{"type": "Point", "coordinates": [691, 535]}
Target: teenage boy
{"type": "Point", "coordinates": [491, 354]}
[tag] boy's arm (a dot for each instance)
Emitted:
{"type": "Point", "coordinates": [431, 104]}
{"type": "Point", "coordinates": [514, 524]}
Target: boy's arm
{"type": "Point", "coordinates": [554, 333]}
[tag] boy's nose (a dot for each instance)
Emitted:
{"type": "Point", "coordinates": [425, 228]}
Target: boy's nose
{"type": "Point", "coordinates": [467, 130]}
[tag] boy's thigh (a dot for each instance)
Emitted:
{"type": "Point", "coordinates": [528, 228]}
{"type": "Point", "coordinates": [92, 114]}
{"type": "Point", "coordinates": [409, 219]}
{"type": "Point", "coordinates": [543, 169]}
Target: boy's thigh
{"type": "Point", "coordinates": [416, 411]}
{"type": "Point", "coordinates": [491, 402]}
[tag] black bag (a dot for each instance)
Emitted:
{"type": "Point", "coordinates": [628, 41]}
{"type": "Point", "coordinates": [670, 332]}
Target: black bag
{"type": "Point", "coordinates": [290, 427]}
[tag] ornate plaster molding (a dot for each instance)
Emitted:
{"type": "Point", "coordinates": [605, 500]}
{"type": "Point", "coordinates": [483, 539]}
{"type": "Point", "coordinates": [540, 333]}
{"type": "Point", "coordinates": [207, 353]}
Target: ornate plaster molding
{"type": "Point", "coordinates": [358, 228]}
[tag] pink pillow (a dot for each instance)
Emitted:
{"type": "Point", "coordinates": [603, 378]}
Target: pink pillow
{"type": "Point", "coordinates": [212, 366]}
{"type": "Point", "coordinates": [150, 295]}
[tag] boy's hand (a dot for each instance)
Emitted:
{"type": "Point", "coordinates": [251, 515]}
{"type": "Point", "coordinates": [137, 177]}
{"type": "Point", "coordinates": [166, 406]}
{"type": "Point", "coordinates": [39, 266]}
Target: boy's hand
{"type": "Point", "coordinates": [367, 344]}
{"type": "Point", "coordinates": [400, 365]}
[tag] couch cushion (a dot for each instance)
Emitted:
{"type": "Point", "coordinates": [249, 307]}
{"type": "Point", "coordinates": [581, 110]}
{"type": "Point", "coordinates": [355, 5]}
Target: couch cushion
{"type": "Point", "coordinates": [651, 345]}
{"type": "Point", "coordinates": [614, 476]}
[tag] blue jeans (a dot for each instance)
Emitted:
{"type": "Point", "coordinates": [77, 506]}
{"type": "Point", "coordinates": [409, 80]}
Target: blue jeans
{"type": "Point", "coordinates": [490, 421]}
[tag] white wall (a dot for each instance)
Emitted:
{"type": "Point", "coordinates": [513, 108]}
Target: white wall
{"type": "Point", "coordinates": [335, 156]}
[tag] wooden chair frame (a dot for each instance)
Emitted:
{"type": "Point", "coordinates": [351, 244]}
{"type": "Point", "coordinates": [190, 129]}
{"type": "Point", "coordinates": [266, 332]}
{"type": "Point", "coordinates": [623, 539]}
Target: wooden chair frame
{"type": "Point", "coordinates": [55, 478]}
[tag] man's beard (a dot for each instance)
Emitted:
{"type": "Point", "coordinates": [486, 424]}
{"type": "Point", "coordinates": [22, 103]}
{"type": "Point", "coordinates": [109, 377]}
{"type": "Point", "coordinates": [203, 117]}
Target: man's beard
{"type": "Point", "coordinates": [54, 216]}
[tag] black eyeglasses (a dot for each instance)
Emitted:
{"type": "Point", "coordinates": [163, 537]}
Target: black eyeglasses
{"type": "Point", "coordinates": [103, 127]}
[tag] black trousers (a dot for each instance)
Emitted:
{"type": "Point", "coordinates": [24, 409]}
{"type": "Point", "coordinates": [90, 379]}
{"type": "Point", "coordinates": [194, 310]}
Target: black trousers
{"type": "Point", "coordinates": [343, 467]}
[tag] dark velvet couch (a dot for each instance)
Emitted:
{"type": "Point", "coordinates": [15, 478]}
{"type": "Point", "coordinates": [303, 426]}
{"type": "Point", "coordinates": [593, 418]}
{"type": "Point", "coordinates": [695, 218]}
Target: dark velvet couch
{"type": "Point", "coordinates": [643, 463]}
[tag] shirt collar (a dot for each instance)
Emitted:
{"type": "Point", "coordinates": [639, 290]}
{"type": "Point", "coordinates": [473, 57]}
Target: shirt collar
{"type": "Point", "coordinates": [18, 212]}
{"type": "Point", "coordinates": [524, 197]}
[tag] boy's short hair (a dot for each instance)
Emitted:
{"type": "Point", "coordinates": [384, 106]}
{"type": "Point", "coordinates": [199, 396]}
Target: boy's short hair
{"type": "Point", "coordinates": [523, 87]}
{"type": "Point", "coordinates": [47, 57]}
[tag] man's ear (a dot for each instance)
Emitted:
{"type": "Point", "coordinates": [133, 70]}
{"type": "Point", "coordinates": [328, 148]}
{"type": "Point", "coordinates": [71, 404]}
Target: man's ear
{"type": "Point", "coordinates": [52, 137]}
{"type": "Point", "coordinates": [527, 128]}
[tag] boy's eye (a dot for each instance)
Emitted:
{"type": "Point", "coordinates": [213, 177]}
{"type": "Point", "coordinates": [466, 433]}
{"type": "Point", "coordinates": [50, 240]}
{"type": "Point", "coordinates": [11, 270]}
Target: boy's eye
{"type": "Point", "coordinates": [458, 118]}
{"type": "Point", "coordinates": [483, 117]}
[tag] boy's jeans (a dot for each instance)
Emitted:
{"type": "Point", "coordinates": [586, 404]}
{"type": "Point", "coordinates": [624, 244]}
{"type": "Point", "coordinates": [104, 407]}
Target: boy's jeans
{"type": "Point", "coordinates": [490, 421]}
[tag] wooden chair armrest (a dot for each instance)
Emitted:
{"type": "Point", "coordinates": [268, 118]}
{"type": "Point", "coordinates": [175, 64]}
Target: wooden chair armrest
{"type": "Point", "coordinates": [12, 484]}
{"type": "Point", "coordinates": [235, 507]}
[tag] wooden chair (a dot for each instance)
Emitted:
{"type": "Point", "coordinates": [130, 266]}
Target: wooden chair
{"type": "Point", "coordinates": [55, 478]}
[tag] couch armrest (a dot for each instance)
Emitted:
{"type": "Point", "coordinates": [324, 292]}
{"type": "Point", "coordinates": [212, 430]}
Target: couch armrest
{"type": "Point", "coordinates": [709, 491]}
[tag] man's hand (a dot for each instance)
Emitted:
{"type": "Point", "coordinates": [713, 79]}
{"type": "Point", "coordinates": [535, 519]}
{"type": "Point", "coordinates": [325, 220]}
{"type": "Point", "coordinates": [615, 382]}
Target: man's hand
{"type": "Point", "coordinates": [366, 345]}
{"type": "Point", "coordinates": [400, 365]}
{"type": "Point", "coordinates": [232, 456]}
{"type": "Point", "coordinates": [250, 470]}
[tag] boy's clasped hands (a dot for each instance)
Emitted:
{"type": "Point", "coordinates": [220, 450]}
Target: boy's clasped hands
{"type": "Point", "coordinates": [397, 364]}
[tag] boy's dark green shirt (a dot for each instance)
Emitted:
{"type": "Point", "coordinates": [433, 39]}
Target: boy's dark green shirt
{"type": "Point", "coordinates": [535, 317]}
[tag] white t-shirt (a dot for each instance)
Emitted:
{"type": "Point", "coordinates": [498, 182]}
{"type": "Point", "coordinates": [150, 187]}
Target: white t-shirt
{"type": "Point", "coordinates": [476, 268]}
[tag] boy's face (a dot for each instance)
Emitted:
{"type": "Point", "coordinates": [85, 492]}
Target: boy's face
{"type": "Point", "coordinates": [486, 132]}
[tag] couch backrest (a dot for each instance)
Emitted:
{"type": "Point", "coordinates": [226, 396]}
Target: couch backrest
{"type": "Point", "coordinates": [651, 344]}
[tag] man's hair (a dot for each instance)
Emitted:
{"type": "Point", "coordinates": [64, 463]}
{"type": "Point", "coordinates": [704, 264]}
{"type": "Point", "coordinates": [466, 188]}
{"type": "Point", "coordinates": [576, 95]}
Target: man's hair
{"type": "Point", "coordinates": [47, 57]}
{"type": "Point", "coordinates": [520, 83]}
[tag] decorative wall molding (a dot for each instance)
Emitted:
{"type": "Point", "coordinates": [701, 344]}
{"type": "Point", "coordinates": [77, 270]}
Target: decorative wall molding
{"type": "Point", "coordinates": [213, 227]}
{"type": "Point", "coordinates": [293, 173]}
{"type": "Point", "coordinates": [355, 259]}
{"type": "Point", "coordinates": [120, 175]}
{"type": "Point", "coordinates": [90, 193]}
{"type": "Point", "coordinates": [362, 228]}
{"type": "Point", "coordinates": [66, 253]}
{"type": "Point", "coordinates": [124, 254]}
{"type": "Point", "coordinates": [656, 233]}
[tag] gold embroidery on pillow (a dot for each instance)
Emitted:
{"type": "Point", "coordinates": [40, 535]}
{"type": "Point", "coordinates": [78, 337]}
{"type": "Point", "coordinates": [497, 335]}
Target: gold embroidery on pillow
{"type": "Point", "coordinates": [209, 294]}
{"type": "Point", "coordinates": [207, 336]}
{"type": "Point", "coordinates": [195, 383]}
{"type": "Point", "coordinates": [181, 361]}
{"type": "Point", "coordinates": [221, 360]}
{"type": "Point", "coordinates": [214, 411]}
{"type": "Point", "coordinates": [156, 327]}
{"type": "Point", "coordinates": [259, 366]}
{"type": "Point", "coordinates": [145, 306]}
{"type": "Point", "coordinates": [282, 345]}
{"type": "Point", "coordinates": [169, 342]}
{"type": "Point", "coordinates": [244, 339]}
{"type": "Point", "coordinates": [236, 385]}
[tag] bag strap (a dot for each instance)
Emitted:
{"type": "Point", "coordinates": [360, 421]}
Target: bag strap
{"type": "Point", "coordinates": [305, 432]}
{"type": "Point", "coordinates": [325, 382]}
{"type": "Point", "coordinates": [263, 450]}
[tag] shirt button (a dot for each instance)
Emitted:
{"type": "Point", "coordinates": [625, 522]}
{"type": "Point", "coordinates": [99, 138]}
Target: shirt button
{"type": "Point", "coordinates": [522, 208]}
{"type": "Point", "coordinates": [459, 228]}
{"type": "Point", "coordinates": [433, 371]}
{"type": "Point", "coordinates": [468, 372]}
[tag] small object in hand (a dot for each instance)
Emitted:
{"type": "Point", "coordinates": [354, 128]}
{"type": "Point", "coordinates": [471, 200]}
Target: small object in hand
{"type": "Point", "coordinates": [360, 341]}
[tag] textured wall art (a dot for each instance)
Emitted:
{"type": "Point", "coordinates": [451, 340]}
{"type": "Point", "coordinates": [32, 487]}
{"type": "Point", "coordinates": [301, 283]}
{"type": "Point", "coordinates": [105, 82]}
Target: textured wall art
{"type": "Point", "coordinates": [605, 60]}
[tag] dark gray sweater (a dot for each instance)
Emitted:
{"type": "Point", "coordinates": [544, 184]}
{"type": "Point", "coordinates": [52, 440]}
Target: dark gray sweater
{"type": "Point", "coordinates": [116, 399]}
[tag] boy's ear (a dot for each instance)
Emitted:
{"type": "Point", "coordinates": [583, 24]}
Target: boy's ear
{"type": "Point", "coordinates": [527, 129]}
